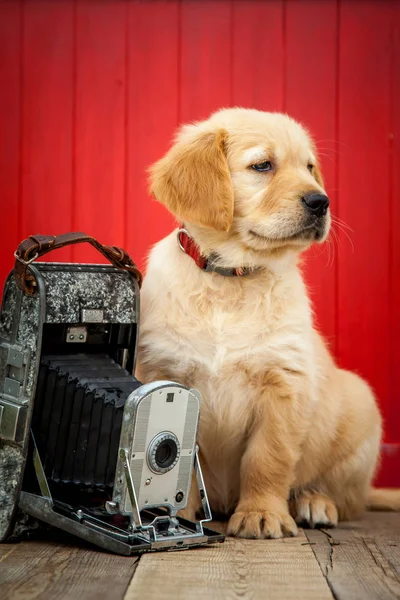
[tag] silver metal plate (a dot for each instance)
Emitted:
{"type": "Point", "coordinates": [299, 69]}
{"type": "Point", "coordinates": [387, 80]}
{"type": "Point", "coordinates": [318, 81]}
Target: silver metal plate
{"type": "Point", "coordinates": [12, 421]}
{"type": "Point", "coordinates": [76, 335]}
{"type": "Point", "coordinates": [92, 315]}
{"type": "Point", "coordinates": [15, 358]}
{"type": "Point", "coordinates": [12, 387]}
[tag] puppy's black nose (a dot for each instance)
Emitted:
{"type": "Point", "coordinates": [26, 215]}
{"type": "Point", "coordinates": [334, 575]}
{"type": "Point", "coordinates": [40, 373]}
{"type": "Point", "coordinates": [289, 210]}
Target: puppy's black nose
{"type": "Point", "coordinates": [316, 203]}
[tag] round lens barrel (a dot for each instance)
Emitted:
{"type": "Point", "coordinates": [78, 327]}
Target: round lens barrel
{"type": "Point", "coordinates": [163, 452]}
{"type": "Point", "coordinates": [166, 453]}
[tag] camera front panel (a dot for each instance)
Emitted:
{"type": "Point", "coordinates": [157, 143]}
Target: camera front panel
{"type": "Point", "coordinates": [163, 445]}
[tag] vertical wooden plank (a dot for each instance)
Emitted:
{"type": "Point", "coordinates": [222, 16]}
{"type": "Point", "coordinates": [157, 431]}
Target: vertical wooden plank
{"type": "Point", "coordinates": [10, 132]}
{"type": "Point", "coordinates": [99, 152]}
{"type": "Point", "coordinates": [363, 286]}
{"type": "Point", "coordinates": [393, 422]}
{"type": "Point", "coordinates": [258, 54]}
{"type": "Point", "coordinates": [311, 98]}
{"type": "Point", "coordinates": [273, 569]}
{"type": "Point", "coordinates": [206, 57]}
{"type": "Point", "coordinates": [360, 559]}
{"type": "Point", "coordinates": [152, 71]}
{"type": "Point", "coordinates": [64, 567]}
{"type": "Point", "coordinates": [47, 119]}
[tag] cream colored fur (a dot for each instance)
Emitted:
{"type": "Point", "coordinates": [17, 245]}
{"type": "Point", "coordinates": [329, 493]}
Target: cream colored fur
{"type": "Point", "coordinates": [285, 435]}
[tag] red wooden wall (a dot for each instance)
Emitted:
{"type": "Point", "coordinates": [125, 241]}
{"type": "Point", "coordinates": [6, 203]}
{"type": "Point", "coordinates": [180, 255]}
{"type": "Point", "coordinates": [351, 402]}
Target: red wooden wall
{"type": "Point", "coordinates": [91, 92]}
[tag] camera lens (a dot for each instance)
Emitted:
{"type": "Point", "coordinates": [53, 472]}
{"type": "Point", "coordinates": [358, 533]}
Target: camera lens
{"type": "Point", "coordinates": [163, 452]}
{"type": "Point", "coordinates": [166, 453]}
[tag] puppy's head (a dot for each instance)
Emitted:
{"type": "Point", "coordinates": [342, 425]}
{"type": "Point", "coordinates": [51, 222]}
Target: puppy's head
{"type": "Point", "coordinates": [247, 177]}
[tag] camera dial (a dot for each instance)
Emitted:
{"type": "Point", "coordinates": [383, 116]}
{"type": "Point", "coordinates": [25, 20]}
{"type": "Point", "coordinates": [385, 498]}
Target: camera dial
{"type": "Point", "coordinates": [163, 452]}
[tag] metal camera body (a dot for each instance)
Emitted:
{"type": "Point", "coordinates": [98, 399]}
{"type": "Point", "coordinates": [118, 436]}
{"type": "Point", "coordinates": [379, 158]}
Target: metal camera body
{"type": "Point", "coordinates": [117, 474]}
{"type": "Point", "coordinates": [163, 446]}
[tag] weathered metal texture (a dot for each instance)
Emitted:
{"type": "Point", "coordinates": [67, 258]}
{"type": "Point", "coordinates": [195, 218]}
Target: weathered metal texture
{"type": "Point", "coordinates": [63, 291]}
{"type": "Point", "coordinates": [20, 321]}
{"type": "Point", "coordinates": [80, 287]}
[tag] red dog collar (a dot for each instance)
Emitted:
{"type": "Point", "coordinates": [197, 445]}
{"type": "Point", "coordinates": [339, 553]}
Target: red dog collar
{"type": "Point", "coordinates": [189, 247]}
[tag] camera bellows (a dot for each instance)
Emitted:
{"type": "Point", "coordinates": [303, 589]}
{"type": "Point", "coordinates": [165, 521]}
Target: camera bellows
{"type": "Point", "coordinates": [77, 421]}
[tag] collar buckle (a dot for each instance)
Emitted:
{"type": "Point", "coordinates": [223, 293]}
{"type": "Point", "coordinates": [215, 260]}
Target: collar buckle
{"type": "Point", "coordinates": [178, 237]}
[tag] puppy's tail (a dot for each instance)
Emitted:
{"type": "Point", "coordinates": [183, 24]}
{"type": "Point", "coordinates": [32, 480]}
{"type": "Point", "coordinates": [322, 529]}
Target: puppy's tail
{"type": "Point", "coordinates": [384, 499]}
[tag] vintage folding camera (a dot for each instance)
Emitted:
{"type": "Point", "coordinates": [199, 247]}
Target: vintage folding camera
{"type": "Point", "coordinates": [84, 446]}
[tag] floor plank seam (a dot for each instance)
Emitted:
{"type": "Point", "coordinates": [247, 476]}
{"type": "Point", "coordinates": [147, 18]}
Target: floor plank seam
{"type": "Point", "coordinates": [135, 566]}
{"type": "Point", "coordinates": [335, 596]}
{"type": "Point", "coordinates": [332, 543]}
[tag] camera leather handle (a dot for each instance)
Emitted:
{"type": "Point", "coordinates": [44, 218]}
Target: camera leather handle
{"type": "Point", "coordinates": [38, 245]}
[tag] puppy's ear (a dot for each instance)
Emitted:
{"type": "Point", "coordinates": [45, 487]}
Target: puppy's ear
{"type": "Point", "coordinates": [193, 181]}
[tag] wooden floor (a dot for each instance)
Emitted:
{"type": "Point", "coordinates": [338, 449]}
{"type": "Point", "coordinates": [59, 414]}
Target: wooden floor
{"type": "Point", "coordinates": [359, 560]}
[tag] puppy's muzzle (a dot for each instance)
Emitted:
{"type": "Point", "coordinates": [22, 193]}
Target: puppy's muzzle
{"type": "Point", "coordinates": [317, 204]}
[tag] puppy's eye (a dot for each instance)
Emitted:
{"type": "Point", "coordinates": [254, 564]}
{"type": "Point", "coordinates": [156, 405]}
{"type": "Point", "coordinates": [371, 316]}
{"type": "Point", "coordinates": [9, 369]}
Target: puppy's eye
{"type": "Point", "coordinates": [262, 167]}
{"type": "Point", "coordinates": [310, 168]}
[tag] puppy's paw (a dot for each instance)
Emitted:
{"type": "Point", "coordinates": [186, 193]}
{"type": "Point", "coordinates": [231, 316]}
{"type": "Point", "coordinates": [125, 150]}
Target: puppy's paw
{"type": "Point", "coordinates": [261, 524]}
{"type": "Point", "coordinates": [313, 510]}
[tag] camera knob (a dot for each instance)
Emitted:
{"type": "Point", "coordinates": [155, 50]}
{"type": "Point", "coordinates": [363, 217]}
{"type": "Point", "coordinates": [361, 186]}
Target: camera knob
{"type": "Point", "coordinates": [179, 496]}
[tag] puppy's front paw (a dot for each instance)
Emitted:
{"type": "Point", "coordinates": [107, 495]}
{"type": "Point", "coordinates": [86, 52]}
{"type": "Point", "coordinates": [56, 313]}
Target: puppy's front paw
{"type": "Point", "coordinates": [311, 509]}
{"type": "Point", "coordinates": [261, 524]}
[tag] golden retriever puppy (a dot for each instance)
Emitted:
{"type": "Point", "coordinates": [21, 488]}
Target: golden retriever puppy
{"type": "Point", "coordinates": [285, 436]}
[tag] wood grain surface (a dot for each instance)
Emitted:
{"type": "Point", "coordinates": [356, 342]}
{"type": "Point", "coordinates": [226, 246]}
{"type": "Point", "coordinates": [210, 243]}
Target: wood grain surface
{"type": "Point", "coordinates": [357, 561]}
{"type": "Point", "coordinates": [274, 569]}
{"type": "Point", "coordinates": [62, 568]}
{"type": "Point", "coordinates": [362, 559]}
